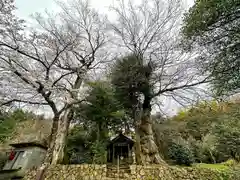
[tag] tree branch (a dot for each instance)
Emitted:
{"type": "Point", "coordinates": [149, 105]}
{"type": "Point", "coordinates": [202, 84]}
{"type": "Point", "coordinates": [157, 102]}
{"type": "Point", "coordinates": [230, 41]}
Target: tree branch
{"type": "Point", "coordinates": [181, 87]}
{"type": "Point", "coordinates": [24, 53]}
{"type": "Point", "coordinates": [23, 101]}
{"type": "Point", "coordinates": [62, 76]}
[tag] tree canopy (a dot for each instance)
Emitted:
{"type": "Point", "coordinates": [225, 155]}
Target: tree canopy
{"type": "Point", "coordinates": [213, 28]}
{"type": "Point", "coordinates": [208, 132]}
{"type": "Point", "coordinates": [101, 110]}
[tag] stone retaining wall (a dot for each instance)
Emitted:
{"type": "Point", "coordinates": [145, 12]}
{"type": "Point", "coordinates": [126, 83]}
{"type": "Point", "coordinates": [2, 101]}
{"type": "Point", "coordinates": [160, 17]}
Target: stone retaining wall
{"type": "Point", "coordinates": [160, 172]}
{"type": "Point", "coordinates": [72, 172]}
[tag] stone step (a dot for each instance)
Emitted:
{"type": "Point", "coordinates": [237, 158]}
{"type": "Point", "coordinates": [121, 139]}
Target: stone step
{"type": "Point", "coordinates": [110, 167]}
{"type": "Point", "coordinates": [113, 165]}
{"type": "Point", "coordinates": [121, 171]}
{"type": "Point", "coordinates": [125, 167]}
{"type": "Point", "coordinates": [116, 175]}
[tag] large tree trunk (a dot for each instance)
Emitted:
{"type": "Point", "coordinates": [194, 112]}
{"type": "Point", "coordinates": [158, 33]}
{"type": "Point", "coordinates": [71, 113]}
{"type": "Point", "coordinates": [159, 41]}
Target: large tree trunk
{"type": "Point", "coordinates": [60, 142]}
{"type": "Point", "coordinates": [57, 140]}
{"type": "Point", "coordinates": [49, 154]}
{"type": "Point", "coordinates": [137, 147]}
{"type": "Point", "coordinates": [149, 149]}
{"type": "Point", "coordinates": [52, 138]}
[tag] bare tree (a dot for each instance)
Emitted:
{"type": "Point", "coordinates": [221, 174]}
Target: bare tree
{"type": "Point", "coordinates": [47, 66]}
{"type": "Point", "coordinates": [150, 31]}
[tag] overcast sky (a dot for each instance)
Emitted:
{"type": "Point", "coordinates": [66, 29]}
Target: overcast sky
{"type": "Point", "coordinates": [27, 7]}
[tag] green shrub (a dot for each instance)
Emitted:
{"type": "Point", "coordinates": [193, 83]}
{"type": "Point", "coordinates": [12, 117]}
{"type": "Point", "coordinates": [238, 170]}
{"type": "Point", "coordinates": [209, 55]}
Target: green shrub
{"type": "Point", "coordinates": [82, 147]}
{"type": "Point", "coordinates": [9, 120]}
{"type": "Point", "coordinates": [98, 150]}
{"type": "Point", "coordinates": [230, 162]}
{"type": "Point", "coordinates": [219, 167]}
{"type": "Point", "coordinates": [228, 133]}
{"type": "Point", "coordinates": [3, 160]}
{"type": "Point", "coordinates": [181, 152]}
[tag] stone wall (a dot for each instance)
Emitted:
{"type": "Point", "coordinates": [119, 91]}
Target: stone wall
{"type": "Point", "coordinates": [178, 173]}
{"type": "Point", "coordinates": [163, 172]}
{"type": "Point", "coordinates": [72, 172]}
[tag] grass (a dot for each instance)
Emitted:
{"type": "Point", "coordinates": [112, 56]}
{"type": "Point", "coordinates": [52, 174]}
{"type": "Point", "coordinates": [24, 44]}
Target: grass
{"type": "Point", "coordinates": [219, 167]}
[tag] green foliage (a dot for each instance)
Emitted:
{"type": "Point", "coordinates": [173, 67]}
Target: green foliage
{"type": "Point", "coordinates": [230, 163]}
{"type": "Point", "coordinates": [8, 121]}
{"type": "Point", "coordinates": [83, 147]}
{"type": "Point", "coordinates": [207, 149]}
{"type": "Point", "coordinates": [123, 79]}
{"type": "Point", "coordinates": [180, 152]}
{"type": "Point", "coordinates": [215, 26]}
{"type": "Point", "coordinates": [3, 160]}
{"type": "Point", "coordinates": [77, 145]}
{"type": "Point", "coordinates": [211, 130]}
{"type": "Point", "coordinates": [101, 115]}
{"type": "Point", "coordinates": [130, 79]}
{"type": "Point", "coordinates": [204, 14]}
{"type": "Point", "coordinates": [220, 167]}
{"type": "Point", "coordinates": [228, 133]}
{"type": "Point", "coordinates": [98, 149]}
{"type": "Point", "coordinates": [225, 171]}
{"type": "Point", "coordinates": [101, 109]}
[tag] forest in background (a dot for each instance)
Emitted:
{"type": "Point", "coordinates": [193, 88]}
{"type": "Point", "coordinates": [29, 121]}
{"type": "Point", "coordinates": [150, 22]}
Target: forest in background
{"type": "Point", "coordinates": [205, 133]}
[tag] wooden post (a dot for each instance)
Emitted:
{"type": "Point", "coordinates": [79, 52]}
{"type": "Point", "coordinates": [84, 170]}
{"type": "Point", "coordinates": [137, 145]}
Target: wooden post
{"type": "Point", "coordinates": [129, 154]}
{"type": "Point", "coordinates": [118, 166]}
{"type": "Point", "coordinates": [120, 154]}
{"type": "Point", "coordinates": [113, 154]}
{"type": "Point", "coordinates": [40, 174]}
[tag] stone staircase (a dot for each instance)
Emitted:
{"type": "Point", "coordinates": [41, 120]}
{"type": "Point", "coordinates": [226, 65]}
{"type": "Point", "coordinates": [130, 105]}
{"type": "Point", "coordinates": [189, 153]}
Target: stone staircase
{"type": "Point", "coordinates": [123, 171]}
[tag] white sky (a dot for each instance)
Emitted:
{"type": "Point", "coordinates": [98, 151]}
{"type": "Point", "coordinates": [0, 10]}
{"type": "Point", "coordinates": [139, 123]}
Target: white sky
{"type": "Point", "coordinates": [27, 7]}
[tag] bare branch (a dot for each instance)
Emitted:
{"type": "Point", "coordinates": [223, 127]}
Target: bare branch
{"type": "Point", "coordinates": [206, 80]}
{"type": "Point", "coordinates": [22, 101]}
{"type": "Point", "coordinates": [23, 53]}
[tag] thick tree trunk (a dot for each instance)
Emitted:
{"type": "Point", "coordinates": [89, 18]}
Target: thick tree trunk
{"type": "Point", "coordinates": [52, 138]}
{"type": "Point", "coordinates": [136, 114]}
{"type": "Point", "coordinates": [137, 146]}
{"type": "Point", "coordinates": [60, 142]}
{"type": "Point", "coordinates": [149, 149]}
{"type": "Point", "coordinates": [49, 154]}
{"type": "Point", "coordinates": [57, 139]}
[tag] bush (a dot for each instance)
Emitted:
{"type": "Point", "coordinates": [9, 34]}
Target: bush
{"type": "Point", "coordinates": [98, 150]}
{"type": "Point", "coordinates": [228, 133]}
{"type": "Point", "coordinates": [207, 149]}
{"type": "Point", "coordinates": [212, 132]}
{"type": "Point", "coordinates": [181, 153]}
{"type": "Point", "coordinates": [3, 160]}
{"type": "Point", "coordinates": [230, 163]}
{"type": "Point", "coordinates": [82, 147]}
{"type": "Point", "coordinates": [78, 145]}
